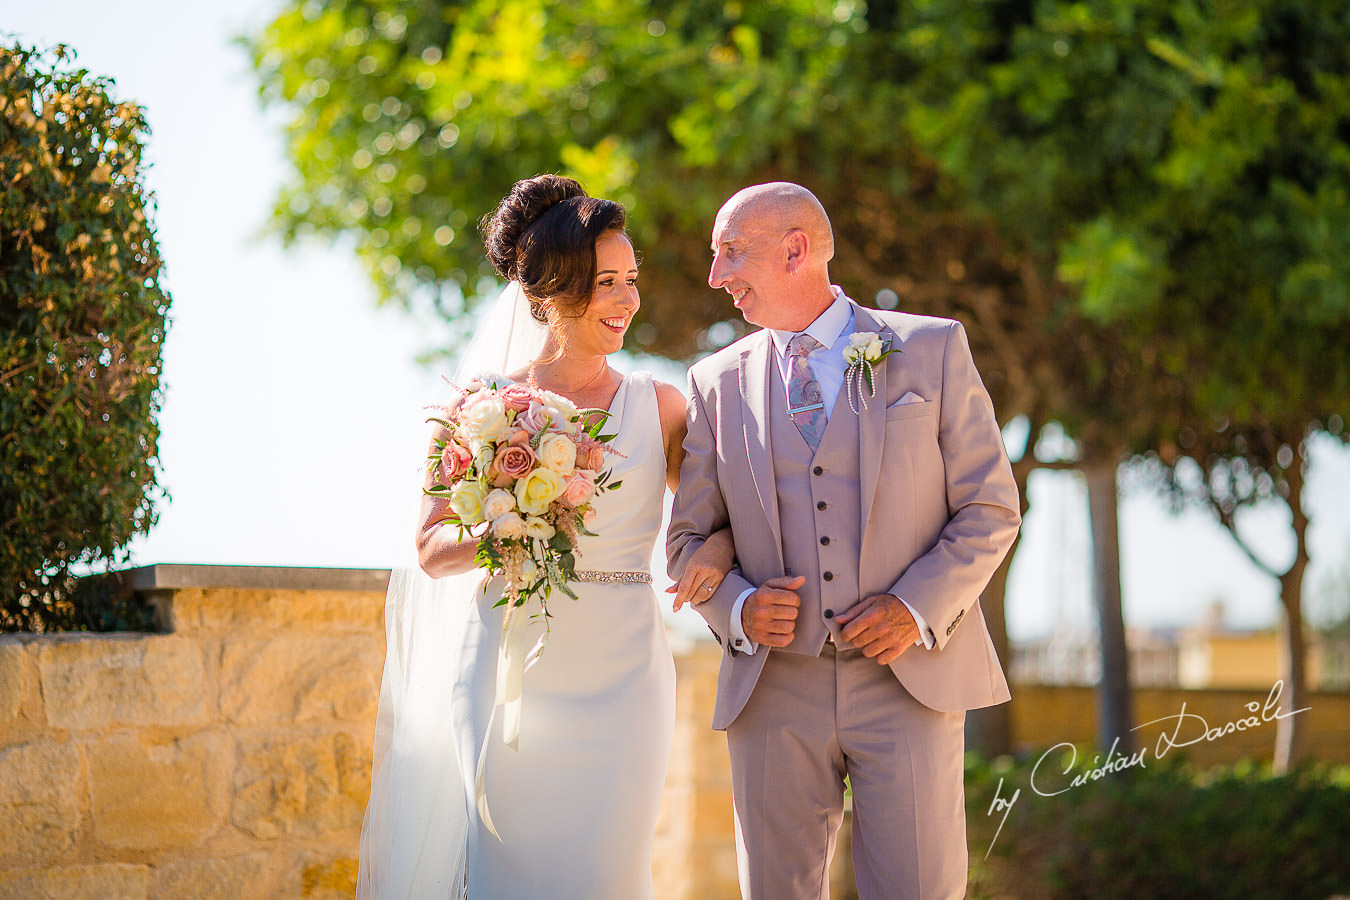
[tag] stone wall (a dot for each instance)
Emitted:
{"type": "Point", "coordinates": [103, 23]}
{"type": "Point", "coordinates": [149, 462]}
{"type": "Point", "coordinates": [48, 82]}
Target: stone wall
{"type": "Point", "coordinates": [229, 757]}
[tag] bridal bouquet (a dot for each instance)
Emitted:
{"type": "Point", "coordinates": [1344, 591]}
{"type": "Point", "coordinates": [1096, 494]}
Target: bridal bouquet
{"type": "Point", "coordinates": [523, 463]}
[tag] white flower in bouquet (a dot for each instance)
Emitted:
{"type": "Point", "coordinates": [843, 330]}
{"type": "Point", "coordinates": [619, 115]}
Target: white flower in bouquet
{"type": "Point", "coordinates": [498, 503]}
{"type": "Point", "coordinates": [538, 528]}
{"type": "Point", "coordinates": [509, 526]}
{"type": "Point", "coordinates": [561, 412]}
{"type": "Point", "coordinates": [466, 499]}
{"type": "Point", "coordinates": [483, 417]}
{"type": "Point", "coordinates": [559, 453]}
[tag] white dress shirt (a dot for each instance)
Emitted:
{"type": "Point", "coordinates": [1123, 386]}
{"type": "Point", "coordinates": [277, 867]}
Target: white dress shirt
{"type": "Point", "coordinates": [827, 365]}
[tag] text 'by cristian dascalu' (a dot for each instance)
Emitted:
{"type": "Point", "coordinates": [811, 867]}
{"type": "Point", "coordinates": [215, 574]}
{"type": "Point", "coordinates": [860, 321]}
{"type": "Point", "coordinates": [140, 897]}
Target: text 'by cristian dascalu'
{"type": "Point", "coordinates": [1185, 729]}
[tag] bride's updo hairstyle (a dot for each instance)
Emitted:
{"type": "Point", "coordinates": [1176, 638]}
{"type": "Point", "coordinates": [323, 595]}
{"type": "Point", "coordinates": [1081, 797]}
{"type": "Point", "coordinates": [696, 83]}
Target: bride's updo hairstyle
{"type": "Point", "coordinates": [543, 235]}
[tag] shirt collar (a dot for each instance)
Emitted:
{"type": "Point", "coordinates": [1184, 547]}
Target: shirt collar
{"type": "Point", "coordinates": [828, 327]}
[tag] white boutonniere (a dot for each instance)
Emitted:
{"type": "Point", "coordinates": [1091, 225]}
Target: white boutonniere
{"type": "Point", "coordinates": [865, 349]}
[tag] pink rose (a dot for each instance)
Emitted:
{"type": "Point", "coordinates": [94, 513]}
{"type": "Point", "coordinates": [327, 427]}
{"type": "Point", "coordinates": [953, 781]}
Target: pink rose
{"type": "Point", "coordinates": [516, 397]}
{"type": "Point", "coordinates": [511, 462]}
{"type": "Point", "coordinates": [595, 459]}
{"type": "Point", "coordinates": [533, 418]}
{"type": "Point", "coordinates": [455, 459]}
{"type": "Point", "coordinates": [580, 488]}
{"type": "Point", "coordinates": [518, 437]}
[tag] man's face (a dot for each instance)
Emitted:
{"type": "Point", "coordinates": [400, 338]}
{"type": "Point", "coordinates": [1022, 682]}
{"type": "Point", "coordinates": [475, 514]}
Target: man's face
{"type": "Point", "coordinates": [750, 264]}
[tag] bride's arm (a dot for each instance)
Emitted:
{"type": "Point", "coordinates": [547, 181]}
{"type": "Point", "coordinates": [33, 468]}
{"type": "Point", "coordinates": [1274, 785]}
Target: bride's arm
{"type": "Point", "coordinates": [440, 552]}
{"type": "Point", "coordinates": [717, 555]}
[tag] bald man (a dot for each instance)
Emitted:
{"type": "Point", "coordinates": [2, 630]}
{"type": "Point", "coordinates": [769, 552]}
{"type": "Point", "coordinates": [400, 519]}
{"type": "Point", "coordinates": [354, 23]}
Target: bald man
{"type": "Point", "coordinates": [866, 522]}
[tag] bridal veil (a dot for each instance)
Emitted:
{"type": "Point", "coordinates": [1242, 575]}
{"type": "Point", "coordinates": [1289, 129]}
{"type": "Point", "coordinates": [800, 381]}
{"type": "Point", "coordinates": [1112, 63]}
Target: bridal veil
{"type": "Point", "coordinates": [417, 818]}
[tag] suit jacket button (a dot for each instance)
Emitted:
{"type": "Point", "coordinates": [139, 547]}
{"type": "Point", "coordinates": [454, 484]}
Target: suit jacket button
{"type": "Point", "coordinates": [828, 576]}
{"type": "Point", "coordinates": [817, 471]}
{"type": "Point", "coordinates": [820, 505]}
{"type": "Point", "coordinates": [824, 542]}
{"type": "Point", "coordinates": [829, 614]}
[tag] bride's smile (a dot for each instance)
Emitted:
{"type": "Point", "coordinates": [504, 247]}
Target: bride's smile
{"type": "Point", "coordinates": [601, 328]}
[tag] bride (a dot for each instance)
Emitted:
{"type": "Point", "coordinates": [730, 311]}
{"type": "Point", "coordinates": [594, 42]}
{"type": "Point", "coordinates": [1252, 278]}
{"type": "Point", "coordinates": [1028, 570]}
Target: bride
{"type": "Point", "coordinates": [569, 808]}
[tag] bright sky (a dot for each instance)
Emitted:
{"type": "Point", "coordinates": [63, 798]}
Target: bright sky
{"type": "Point", "coordinates": [292, 423]}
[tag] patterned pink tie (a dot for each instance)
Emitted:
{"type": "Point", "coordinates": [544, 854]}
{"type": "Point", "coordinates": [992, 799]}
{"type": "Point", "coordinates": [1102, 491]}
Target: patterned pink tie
{"type": "Point", "coordinates": [805, 406]}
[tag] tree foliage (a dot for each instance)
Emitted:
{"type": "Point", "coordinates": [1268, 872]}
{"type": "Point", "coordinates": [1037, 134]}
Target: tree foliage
{"type": "Point", "coordinates": [1137, 208]}
{"type": "Point", "coordinates": [82, 324]}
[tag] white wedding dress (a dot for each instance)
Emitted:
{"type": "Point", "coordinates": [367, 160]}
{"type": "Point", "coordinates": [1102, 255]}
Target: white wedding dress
{"type": "Point", "coordinates": [575, 802]}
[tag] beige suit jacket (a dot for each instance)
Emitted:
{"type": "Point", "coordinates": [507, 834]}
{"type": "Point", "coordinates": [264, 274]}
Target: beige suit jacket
{"type": "Point", "coordinates": [939, 502]}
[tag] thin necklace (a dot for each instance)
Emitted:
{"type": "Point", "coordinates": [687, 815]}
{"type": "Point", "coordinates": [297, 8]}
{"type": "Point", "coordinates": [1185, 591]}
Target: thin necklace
{"type": "Point", "coordinates": [604, 370]}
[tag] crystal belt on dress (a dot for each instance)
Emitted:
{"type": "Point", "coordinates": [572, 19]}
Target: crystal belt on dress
{"type": "Point", "coordinates": [613, 577]}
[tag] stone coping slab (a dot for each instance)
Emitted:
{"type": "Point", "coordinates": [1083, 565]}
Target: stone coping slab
{"type": "Point", "coordinates": [171, 576]}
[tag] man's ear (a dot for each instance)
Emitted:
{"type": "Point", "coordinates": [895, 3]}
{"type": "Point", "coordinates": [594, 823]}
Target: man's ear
{"type": "Point", "coordinates": [798, 248]}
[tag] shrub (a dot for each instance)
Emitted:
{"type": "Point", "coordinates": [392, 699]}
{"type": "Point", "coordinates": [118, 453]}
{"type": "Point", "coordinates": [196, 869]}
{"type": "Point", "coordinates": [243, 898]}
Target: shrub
{"type": "Point", "coordinates": [1163, 830]}
{"type": "Point", "coordinates": [82, 323]}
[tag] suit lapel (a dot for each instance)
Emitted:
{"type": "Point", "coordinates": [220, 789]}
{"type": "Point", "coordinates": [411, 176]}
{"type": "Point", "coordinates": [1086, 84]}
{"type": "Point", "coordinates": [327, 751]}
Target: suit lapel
{"type": "Point", "coordinates": [872, 420]}
{"type": "Point", "coordinates": [755, 400]}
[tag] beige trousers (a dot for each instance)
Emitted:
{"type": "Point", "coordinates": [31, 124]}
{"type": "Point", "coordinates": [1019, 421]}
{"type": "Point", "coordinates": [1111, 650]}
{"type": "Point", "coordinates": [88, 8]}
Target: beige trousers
{"type": "Point", "coordinates": [809, 722]}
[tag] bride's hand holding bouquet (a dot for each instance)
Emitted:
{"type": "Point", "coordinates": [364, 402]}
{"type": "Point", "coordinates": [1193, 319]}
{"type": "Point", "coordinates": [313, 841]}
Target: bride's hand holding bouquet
{"type": "Point", "coordinates": [518, 468]}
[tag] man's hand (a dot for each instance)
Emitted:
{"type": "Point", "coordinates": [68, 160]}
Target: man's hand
{"type": "Point", "coordinates": [770, 613]}
{"type": "Point", "coordinates": [881, 626]}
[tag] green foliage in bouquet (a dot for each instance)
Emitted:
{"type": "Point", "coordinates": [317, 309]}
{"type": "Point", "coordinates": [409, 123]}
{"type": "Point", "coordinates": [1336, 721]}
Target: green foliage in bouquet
{"type": "Point", "coordinates": [82, 324]}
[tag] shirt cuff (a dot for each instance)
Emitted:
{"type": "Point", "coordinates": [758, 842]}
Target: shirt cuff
{"type": "Point", "coordinates": [738, 638]}
{"type": "Point", "coordinates": [925, 639]}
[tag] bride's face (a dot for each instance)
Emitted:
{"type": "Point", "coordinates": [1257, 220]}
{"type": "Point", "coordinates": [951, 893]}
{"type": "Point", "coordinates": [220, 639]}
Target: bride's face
{"type": "Point", "coordinates": [601, 328]}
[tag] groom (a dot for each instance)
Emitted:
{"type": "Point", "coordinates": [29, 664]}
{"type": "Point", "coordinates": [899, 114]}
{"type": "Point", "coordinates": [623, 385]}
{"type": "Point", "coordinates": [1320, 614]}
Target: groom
{"type": "Point", "coordinates": [867, 521]}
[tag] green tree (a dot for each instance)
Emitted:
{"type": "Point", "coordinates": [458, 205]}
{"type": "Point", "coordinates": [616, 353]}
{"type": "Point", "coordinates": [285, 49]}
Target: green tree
{"type": "Point", "coordinates": [1100, 190]}
{"type": "Point", "coordinates": [82, 323]}
{"type": "Point", "coordinates": [1184, 167]}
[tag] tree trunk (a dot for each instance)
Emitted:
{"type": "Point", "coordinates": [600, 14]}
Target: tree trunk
{"type": "Point", "coordinates": [1290, 731]}
{"type": "Point", "coordinates": [1114, 716]}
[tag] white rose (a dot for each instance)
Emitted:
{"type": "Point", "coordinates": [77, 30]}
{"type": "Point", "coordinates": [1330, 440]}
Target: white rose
{"type": "Point", "coordinates": [509, 526]}
{"type": "Point", "coordinates": [874, 348]}
{"type": "Point", "coordinates": [537, 490]}
{"type": "Point", "coordinates": [561, 412]}
{"type": "Point", "coordinates": [538, 528]}
{"type": "Point", "coordinates": [484, 417]}
{"type": "Point", "coordinates": [466, 499]}
{"type": "Point", "coordinates": [497, 504]}
{"type": "Point", "coordinates": [558, 453]}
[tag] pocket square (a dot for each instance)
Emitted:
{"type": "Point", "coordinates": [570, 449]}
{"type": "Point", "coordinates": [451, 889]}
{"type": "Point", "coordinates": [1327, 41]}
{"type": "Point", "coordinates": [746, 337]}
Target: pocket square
{"type": "Point", "coordinates": [910, 397]}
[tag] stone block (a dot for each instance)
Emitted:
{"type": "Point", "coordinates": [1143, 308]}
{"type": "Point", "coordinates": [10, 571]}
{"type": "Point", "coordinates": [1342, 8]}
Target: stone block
{"type": "Point", "coordinates": [104, 881]}
{"type": "Point", "coordinates": [107, 681]}
{"type": "Point", "coordinates": [269, 610]}
{"type": "Point", "coordinates": [151, 794]}
{"type": "Point", "coordinates": [15, 678]}
{"type": "Point", "coordinates": [300, 678]}
{"type": "Point", "coordinates": [40, 789]}
{"type": "Point", "coordinates": [329, 878]}
{"type": "Point", "coordinates": [232, 878]}
{"type": "Point", "coordinates": [300, 785]}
